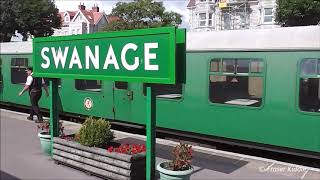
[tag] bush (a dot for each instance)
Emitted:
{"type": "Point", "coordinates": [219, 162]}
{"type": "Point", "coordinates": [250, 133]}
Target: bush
{"type": "Point", "coordinates": [182, 157]}
{"type": "Point", "coordinates": [95, 132]}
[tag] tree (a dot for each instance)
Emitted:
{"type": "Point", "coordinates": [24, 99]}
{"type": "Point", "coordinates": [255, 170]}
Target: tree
{"type": "Point", "coordinates": [298, 12]}
{"type": "Point", "coordinates": [37, 17]}
{"type": "Point", "coordinates": [141, 14]}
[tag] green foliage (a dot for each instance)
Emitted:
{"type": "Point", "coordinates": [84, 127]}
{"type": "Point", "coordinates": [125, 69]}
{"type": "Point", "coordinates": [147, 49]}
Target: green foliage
{"type": "Point", "coordinates": [95, 132]}
{"type": "Point", "coordinates": [298, 12]}
{"type": "Point", "coordinates": [36, 17]}
{"type": "Point", "coordinates": [141, 14]}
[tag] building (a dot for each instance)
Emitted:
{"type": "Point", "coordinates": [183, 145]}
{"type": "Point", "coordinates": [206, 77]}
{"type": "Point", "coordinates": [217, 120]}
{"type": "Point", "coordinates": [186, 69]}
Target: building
{"type": "Point", "coordinates": [210, 15]}
{"type": "Point", "coordinates": [82, 21]}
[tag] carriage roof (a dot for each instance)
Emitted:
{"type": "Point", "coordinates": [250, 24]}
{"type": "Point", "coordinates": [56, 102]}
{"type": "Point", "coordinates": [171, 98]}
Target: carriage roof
{"type": "Point", "coordinates": [306, 37]}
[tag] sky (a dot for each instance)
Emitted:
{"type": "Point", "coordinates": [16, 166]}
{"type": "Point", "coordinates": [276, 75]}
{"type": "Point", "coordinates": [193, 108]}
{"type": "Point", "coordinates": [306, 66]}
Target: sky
{"type": "Point", "coordinates": [179, 6]}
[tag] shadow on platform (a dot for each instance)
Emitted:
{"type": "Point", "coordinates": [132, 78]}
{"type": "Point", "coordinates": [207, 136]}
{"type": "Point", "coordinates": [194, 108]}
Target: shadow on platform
{"type": "Point", "coordinates": [213, 162]}
{"type": "Point", "coordinates": [6, 176]}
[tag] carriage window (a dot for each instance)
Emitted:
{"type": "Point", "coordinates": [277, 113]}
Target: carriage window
{"type": "Point", "coordinates": [256, 66]}
{"type": "Point", "coordinates": [215, 65]}
{"type": "Point", "coordinates": [88, 85]}
{"type": "Point", "coordinates": [242, 66]}
{"type": "Point", "coordinates": [168, 91]}
{"type": "Point", "coordinates": [309, 97]}
{"type": "Point", "coordinates": [228, 66]}
{"type": "Point", "coordinates": [243, 87]}
{"type": "Point", "coordinates": [121, 85]}
{"type": "Point", "coordinates": [308, 67]}
{"type": "Point", "coordinates": [18, 67]}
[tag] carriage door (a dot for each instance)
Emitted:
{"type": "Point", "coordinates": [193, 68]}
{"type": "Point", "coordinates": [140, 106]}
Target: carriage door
{"type": "Point", "coordinates": [122, 98]}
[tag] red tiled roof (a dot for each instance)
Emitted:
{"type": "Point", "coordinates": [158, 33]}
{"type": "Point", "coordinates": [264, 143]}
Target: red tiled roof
{"type": "Point", "coordinates": [88, 15]}
{"type": "Point", "coordinates": [97, 16]}
{"type": "Point", "coordinates": [191, 3]}
{"type": "Point", "coordinates": [91, 16]}
{"type": "Point", "coordinates": [72, 13]}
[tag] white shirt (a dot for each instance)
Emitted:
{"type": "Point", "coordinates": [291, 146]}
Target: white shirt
{"type": "Point", "coordinates": [30, 79]}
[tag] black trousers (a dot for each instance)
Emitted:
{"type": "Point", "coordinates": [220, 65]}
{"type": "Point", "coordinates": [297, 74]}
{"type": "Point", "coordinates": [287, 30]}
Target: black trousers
{"type": "Point", "coordinates": [34, 99]}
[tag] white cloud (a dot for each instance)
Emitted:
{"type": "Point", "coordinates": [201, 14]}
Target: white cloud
{"type": "Point", "coordinates": [179, 6]}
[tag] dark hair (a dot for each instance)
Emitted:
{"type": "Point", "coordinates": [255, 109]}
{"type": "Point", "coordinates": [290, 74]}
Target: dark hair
{"type": "Point", "coordinates": [29, 68]}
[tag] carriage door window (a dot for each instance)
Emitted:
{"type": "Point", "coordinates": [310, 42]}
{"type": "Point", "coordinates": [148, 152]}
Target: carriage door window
{"type": "Point", "coordinates": [121, 85]}
{"type": "Point", "coordinates": [88, 85]}
{"type": "Point", "coordinates": [18, 67]}
{"type": "Point", "coordinates": [236, 82]}
{"type": "Point", "coordinates": [309, 97]}
{"type": "Point", "coordinates": [167, 91]}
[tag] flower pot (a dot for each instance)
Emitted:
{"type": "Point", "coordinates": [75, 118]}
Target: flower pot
{"type": "Point", "coordinates": [45, 141]}
{"type": "Point", "coordinates": [166, 174]}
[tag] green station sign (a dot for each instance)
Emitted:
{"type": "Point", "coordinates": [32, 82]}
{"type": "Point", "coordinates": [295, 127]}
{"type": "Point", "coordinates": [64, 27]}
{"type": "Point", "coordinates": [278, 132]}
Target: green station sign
{"type": "Point", "coordinates": [146, 55]}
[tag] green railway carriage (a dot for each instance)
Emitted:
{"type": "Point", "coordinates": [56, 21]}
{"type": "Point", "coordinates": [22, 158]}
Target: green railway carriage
{"type": "Point", "coordinates": [253, 87]}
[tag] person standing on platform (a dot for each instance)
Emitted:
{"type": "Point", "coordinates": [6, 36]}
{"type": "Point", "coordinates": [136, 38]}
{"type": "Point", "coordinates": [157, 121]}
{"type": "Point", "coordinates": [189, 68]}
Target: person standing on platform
{"type": "Point", "coordinates": [34, 86]}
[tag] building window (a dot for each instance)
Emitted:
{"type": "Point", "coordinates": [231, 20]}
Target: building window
{"type": "Point", "coordinates": [73, 31]}
{"type": "Point", "coordinates": [168, 91]}
{"type": "Point", "coordinates": [88, 85]}
{"type": "Point", "coordinates": [309, 96]}
{"type": "Point", "coordinates": [226, 20]}
{"type": "Point", "coordinates": [268, 15]}
{"type": "Point", "coordinates": [202, 19]}
{"type": "Point", "coordinates": [236, 82]}
{"type": "Point", "coordinates": [210, 19]}
{"type": "Point", "coordinates": [18, 67]}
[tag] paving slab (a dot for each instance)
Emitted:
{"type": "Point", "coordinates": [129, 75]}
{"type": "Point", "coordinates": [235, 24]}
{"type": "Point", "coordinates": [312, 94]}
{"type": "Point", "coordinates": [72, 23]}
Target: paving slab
{"type": "Point", "coordinates": [21, 157]}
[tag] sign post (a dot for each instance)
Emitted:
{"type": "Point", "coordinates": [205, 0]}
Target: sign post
{"type": "Point", "coordinates": [54, 112]}
{"type": "Point", "coordinates": [145, 56]}
{"type": "Point", "coordinates": [151, 133]}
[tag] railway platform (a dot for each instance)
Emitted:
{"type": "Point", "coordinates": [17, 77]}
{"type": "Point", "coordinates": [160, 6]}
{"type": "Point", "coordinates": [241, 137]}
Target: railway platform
{"type": "Point", "coordinates": [21, 157]}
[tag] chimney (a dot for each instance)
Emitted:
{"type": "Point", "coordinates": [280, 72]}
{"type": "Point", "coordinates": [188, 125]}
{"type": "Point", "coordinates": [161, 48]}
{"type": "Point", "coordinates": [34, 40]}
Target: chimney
{"type": "Point", "coordinates": [82, 6]}
{"type": "Point", "coordinates": [95, 8]}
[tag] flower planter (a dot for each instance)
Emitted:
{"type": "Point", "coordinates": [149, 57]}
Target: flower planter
{"type": "Point", "coordinates": [99, 161]}
{"type": "Point", "coordinates": [45, 141]}
{"type": "Point", "coordinates": [166, 174]}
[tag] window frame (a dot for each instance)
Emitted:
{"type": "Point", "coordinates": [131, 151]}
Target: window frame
{"type": "Point", "coordinates": [166, 99]}
{"type": "Point", "coordinates": [86, 91]}
{"type": "Point", "coordinates": [263, 74]}
{"type": "Point", "coordinates": [20, 67]}
{"type": "Point", "coordinates": [264, 15]}
{"type": "Point", "coordinates": [116, 88]}
{"type": "Point", "coordinates": [203, 20]}
{"type": "Point", "coordinates": [298, 76]}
